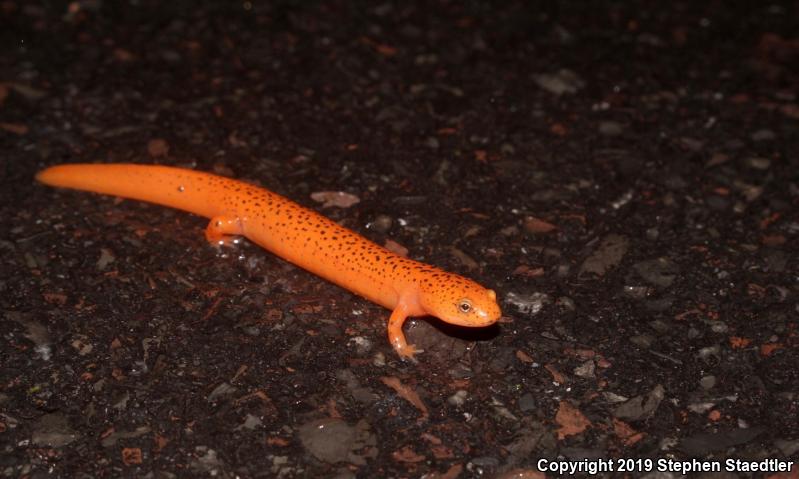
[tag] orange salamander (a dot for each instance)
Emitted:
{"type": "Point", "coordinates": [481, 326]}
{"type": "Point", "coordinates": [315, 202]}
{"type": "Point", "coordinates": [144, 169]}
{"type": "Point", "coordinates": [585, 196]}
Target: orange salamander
{"type": "Point", "coordinates": [299, 235]}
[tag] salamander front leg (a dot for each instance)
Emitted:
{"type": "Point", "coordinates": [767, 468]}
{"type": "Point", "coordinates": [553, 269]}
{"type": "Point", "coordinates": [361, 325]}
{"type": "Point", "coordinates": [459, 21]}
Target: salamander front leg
{"type": "Point", "coordinates": [223, 230]}
{"type": "Point", "coordinates": [395, 335]}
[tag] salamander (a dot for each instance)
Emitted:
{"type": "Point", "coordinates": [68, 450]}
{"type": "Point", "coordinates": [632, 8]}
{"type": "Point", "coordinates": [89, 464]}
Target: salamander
{"type": "Point", "coordinates": [299, 235]}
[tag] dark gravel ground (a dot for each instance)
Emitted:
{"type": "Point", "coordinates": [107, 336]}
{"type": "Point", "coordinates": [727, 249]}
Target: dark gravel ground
{"type": "Point", "coordinates": [657, 320]}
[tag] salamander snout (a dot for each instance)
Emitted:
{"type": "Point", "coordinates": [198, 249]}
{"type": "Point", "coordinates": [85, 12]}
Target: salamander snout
{"type": "Point", "coordinates": [461, 301]}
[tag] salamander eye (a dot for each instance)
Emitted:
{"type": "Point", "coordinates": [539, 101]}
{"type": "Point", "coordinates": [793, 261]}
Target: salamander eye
{"type": "Point", "coordinates": [464, 306]}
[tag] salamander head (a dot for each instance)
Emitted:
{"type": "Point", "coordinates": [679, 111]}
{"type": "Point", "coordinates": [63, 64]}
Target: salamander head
{"type": "Point", "coordinates": [460, 301]}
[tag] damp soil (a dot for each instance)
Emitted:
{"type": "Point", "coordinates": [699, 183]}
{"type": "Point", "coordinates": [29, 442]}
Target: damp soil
{"type": "Point", "coordinates": [623, 174]}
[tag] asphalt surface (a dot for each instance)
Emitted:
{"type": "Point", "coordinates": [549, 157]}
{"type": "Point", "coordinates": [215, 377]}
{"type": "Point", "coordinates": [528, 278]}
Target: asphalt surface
{"type": "Point", "coordinates": [623, 174]}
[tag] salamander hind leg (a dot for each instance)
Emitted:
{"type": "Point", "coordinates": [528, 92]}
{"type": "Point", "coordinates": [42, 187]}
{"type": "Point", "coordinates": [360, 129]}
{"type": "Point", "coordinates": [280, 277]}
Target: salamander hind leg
{"type": "Point", "coordinates": [224, 230]}
{"type": "Point", "coordinates": [397, 338]}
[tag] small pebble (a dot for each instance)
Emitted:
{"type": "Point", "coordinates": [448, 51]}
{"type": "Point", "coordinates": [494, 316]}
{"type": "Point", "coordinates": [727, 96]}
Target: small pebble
{"type": "Point", "coordinates": [758, 163]}
{"type": "Point", "coordinates": [459, 398]}
{"type": "Point", "coordinates": [610, 128]}
{"type": "Point", "coordinates": [707, 382]}
{"type": "Point", "coordinates": [381, 224]}
{"type": "Point", "coordinates": [763, 135]}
